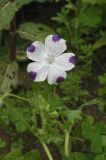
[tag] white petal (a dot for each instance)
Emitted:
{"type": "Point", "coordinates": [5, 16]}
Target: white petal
{"type": "Point", "coordinates": [64, 61]}
{"type": "Point", "coordinates": [55, 46]}
{"type": "Point", "coordinates": [36, 51]}
{"type": "Point", "coordinates": [39, 69]}
{"type": "Point", "coordinates": [55, 73]}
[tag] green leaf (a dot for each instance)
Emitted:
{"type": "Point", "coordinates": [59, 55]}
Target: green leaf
{"type": "Point", "coordinates": [14, 155]}
{"type": "Point", "coordinates": [2, 3]}
{"type": "Point", "coordinates": [91, 17]}
{"type": "Point", "coordinates": [104, 140]}
{"type": "Point", "coordinates": [87, 131]}
{"type": "Point", "coordinates": [99, 43]}
{"type": "Point", "coordinates": [2, 143]}
{"type": "Point", "coordinates": [72, 115]}
{"type": "Point", "coordinates": [89, 119]}
{"type": "Point", "coordinates": [34, 31]}
{"type": "Point", "coordinates": [21, 126]}
{"type": "Point", "coordinates": [80, 156]}
{"type": "Point", "coordinates": [94, 1]}
{"type": "Point", "coordinates": [8, 10]}
{"type": "Point", "coordinates": [13, 117]}
{"type": "Point", "coordinates": [100, 128]}
{"type": "Point", "coordinates": [96, 139]}
{"type": "Point", "coordinates": [19, 143]}
{"type": "Point", "coordinates": [18, 4]}
{"type": "Point", "coordinates": [66, 158]}
{"type": "Point", "coordinates": [32, 155]}
{"type": "Point", "coordinates": [9, 78]}
{"type": "Point", "coordinates": [102, 79]}
{"type": "Point", "coordinates": [100, 157]}
{"type": "Point", "coordinates": [6, 14]}
{"type": "Point", "coordinates": [17, 155]}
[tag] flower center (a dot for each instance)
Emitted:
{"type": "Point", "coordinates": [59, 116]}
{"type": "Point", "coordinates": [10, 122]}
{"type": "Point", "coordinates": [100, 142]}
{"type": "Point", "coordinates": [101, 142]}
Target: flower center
{"type": "Point", "coordinates": [50, 59]}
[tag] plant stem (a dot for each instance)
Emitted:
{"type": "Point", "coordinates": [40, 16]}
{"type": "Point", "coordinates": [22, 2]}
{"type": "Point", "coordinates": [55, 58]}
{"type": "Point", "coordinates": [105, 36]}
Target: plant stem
{"type": "Point", "coordinates": [66, 145]}
{"type": "Point", "coordinates": [15, 96]}
{"type": "Point", "coordinates": [47, 150]}
{"type": "Point", "coordinates": [54, 90]}
{"type": "Point", "coordinates": [12, 52]}
{"type": "Point", "coordinates": [0, 39]}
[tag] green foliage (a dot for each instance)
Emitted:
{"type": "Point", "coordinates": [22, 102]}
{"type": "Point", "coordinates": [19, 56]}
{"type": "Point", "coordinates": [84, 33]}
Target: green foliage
{"type": "Point", "coordinates": [94, 1]}
{"type": "Point", "coordinates": [14, 155]}
{"type": "Point", "coordinates": [17, 155]}
{"type": "Point", "coordinates": [16, 144]}
{"type": "Point", "coordinates": [32, 155]}
{"type": "Point", "coordinates": [72, 115]}
{"type": "Point", "coordinates": [102, 92]}
{"type": "Point", "coordinates": [34, 31]}
{"type": "Point", "coordinates": [2, 143]}
{"type": "Point", "coordinates": [49, 112]}
{"type": "Point", "coordinates": [9, 78]}
{"type": "Point", "coordinates": [87, 18]}
{"type": "Point", "coordinates": [80, 156]}
{"type": "Point", "coordinates": [100, 42]}
{"type": "Point", "coordinates": [100, 157]}
{"type": "Point", "coordinates": [8, 10]}
{"type": "Point", "coordinates": [94, 135]}
{"type": "Point", "coordinates": [72, 87]}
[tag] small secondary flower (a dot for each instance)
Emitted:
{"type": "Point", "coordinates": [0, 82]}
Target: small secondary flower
{"type": "Point", "coordinates": [49, 60]}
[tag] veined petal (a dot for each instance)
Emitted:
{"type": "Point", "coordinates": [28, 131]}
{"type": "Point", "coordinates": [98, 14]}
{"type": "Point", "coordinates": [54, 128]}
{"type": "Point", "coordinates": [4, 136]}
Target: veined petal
{"type": "Point", "coordinates": [37, 71]}
{"type": "Point", "coordinates": [66, 61]}
{"type": "Point", "coordinates": [55, 45]}
{"type": "Point", "coordinates": [36, 51]}
{"type": "Point", "coordinates": [56, 74]}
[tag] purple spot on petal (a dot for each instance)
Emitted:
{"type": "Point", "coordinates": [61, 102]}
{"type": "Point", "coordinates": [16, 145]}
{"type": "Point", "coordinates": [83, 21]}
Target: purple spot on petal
{"type": "Point", "coordinates": [32, 75]}
{"type": "Point", "coordinates": [55, 38]}
{"type": "Point", "coordinates": [31, 48]}
{"type": "Point", "coordinates": [72, 60]}
{"type": "Point", "coordinates": [60, 79]}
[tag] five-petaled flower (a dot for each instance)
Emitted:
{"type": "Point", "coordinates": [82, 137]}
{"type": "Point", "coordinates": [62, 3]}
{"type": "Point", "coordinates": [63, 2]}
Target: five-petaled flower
{"type": "Point", "coordinates": [49, 60]}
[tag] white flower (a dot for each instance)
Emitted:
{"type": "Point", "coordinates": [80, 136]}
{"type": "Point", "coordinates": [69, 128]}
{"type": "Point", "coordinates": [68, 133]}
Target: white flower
{"type": "Point", "coordinates": [49, 62]}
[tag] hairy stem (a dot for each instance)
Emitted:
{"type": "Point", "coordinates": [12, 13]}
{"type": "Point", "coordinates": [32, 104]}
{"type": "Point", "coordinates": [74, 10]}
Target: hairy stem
{"type": "Point", "coordinates": [47, 151]}
{"type": "Point", "coordinates": [54, 90]}
{"type": "Point", "coordinates": [15, 96]}
{"type": "Point", "coordinates": [66, 145]}
{"type": "Point", "coordinates": [12, 52]}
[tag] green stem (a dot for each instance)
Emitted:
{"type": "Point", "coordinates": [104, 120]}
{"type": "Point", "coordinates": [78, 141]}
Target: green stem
{"type": "Point", "coordinates": [54, 90]}
{"type": "Point", "coordinates": [66, 145]}
{"type": "Point", "coordinates": [15, 96]}
{"type": "Point", "coordinates": [47, 150]}
{"type": "Point", "coordinates": [60, 125]}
